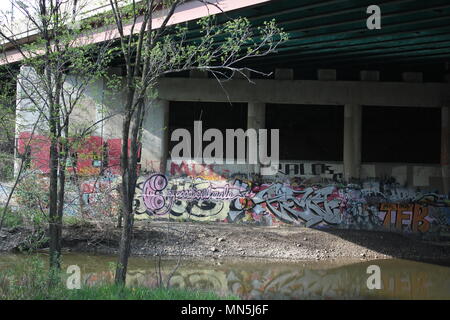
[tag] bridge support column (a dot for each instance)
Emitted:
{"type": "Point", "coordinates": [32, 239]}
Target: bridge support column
{"type": "Point", "coordinates": [445, 148]}
{"type": "Point", "coordinates": [256, 119]}
{"type": "Point", "coordinates": [352, 141]}
{"type": "Point", "coordinates": [155, 137]}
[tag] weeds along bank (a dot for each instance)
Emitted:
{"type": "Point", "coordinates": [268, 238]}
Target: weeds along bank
{"type": "Point", "coordinates": [30, 281]}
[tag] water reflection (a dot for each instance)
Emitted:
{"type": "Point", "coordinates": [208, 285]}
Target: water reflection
{"type": "Point", "coordinates": [400, 279]}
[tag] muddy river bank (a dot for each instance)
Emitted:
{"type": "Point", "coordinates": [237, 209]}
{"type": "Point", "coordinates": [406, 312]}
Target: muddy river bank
{"type": "Point", "coordinates": [251, 278]}
{"type": "Point", "coordinates": [221, 240]}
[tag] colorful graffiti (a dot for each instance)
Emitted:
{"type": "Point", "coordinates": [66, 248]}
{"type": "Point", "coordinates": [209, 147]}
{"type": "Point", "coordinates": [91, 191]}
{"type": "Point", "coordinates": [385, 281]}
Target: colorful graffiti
{"type": "Point", "coordinates": [286, 170]}
{"type": "Point", "coordinates": [195, 199]}
{"type": "Point", "coordinates": [330, 171]}
{"type": "Point", "coordinates": [399, 215]}
{"type": "Point", "coordinates": [206, 171]}
{"type": "Point", "coordinates": [292, 205]}
{"type": "Point", "coordinates": [372, 205]}
{"type": "Point", "coordinates": [208, 193]}
{"type": "Point", "coordinates": [88, 156]}
{"type": "Point", "coordinates": [93, 172]}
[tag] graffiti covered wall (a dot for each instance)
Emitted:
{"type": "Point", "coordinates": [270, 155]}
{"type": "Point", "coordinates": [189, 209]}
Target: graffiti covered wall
{"type": "Point", "coordinates": [373, 205]}
{"type": "Point", "coordinates": [92, 172]}
{"type": "Point", "coordinates": [302, 193]}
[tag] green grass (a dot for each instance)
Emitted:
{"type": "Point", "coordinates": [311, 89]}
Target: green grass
{"type": "Point", "coordinates": [18, 218]}
{"type": "Point", "coordinates": [29, 281]}
{"type": "Point", "coordinates": [107, 292]}
{"type": "Point", "coordinates": [12, 219]}
{"type": "Point", "coordinates": [112, 292]}
{"type": "Point", "coordinates": [75, 221]}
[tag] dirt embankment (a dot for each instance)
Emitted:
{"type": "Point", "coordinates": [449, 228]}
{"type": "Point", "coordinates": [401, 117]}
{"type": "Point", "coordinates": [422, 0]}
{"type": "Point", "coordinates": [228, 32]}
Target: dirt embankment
{"type": "Point", "coordinates": [230, 240]}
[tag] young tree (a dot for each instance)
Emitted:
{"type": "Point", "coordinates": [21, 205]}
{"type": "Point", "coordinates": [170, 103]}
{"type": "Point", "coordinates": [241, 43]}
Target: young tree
{"type": "Point", "coordinates": [7, 115]}
{"type": "Point", "coordinates": [7, 121]}
{"type": "Point", "coordinates": [150, 51]}
{"type": "Point", "coordinates": [60, 61]}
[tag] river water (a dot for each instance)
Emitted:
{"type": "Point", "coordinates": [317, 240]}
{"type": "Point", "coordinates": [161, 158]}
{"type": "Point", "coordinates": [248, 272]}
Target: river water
{"type": "Point", "coordinates": [262, 279]}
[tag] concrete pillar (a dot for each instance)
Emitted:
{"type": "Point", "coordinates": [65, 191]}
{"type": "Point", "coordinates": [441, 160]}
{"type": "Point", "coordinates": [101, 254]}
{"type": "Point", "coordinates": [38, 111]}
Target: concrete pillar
{"type": "Point", "coordinates": [30, 105]}
{"type": "Point", "coordinates": [284, 74]}
{"type": "Point", "coordinates": [326, 75]}
{"type": "Point", "coordinates": [369, 75]}
{"type": "Point", "coordinates": [445, 148]}
{"type": "Point", "coordinates": [412, 77]}
{"type": "Point", "coordinates": [155, 136]}
{"type": "Point", "coordinates": [357, 139]}
{"type": "Point", "coordinates": [256, 119]}
{"type": "Point", "coordinates": [88, 113]}
{"type": "Point", "coordinates": [30, 109]}
{"type": "Point", "coordinates": [352, 142]}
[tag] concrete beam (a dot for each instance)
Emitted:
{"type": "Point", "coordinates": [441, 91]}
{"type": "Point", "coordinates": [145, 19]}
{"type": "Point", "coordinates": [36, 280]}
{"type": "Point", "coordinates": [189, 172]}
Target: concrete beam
{"type": "Point", "coordinates": [189, 11]}
{"type": "Point", "coordinates": [399, 94]}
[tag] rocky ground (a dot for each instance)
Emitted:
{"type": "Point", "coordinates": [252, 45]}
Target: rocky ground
{"type": "Point", "coordinates": [231, 240]}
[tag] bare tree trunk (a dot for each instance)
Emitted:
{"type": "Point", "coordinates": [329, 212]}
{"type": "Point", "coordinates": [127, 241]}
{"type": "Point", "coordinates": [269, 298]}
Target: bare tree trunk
{"type": "Point", "coordinates": [120, 218]}
{"type": "Point", "coordinates": [53, 200]}
{"type": "Point", "coordinates": [125, 248]}
{"type": "Point", "coordinates": [127, 210]}
{"type": "Point", "coordinates": [61, 193]}
{"type": "Point", "coordinates": [131, 174]}
{"type": "Point", "coordinates": [56, 177]}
